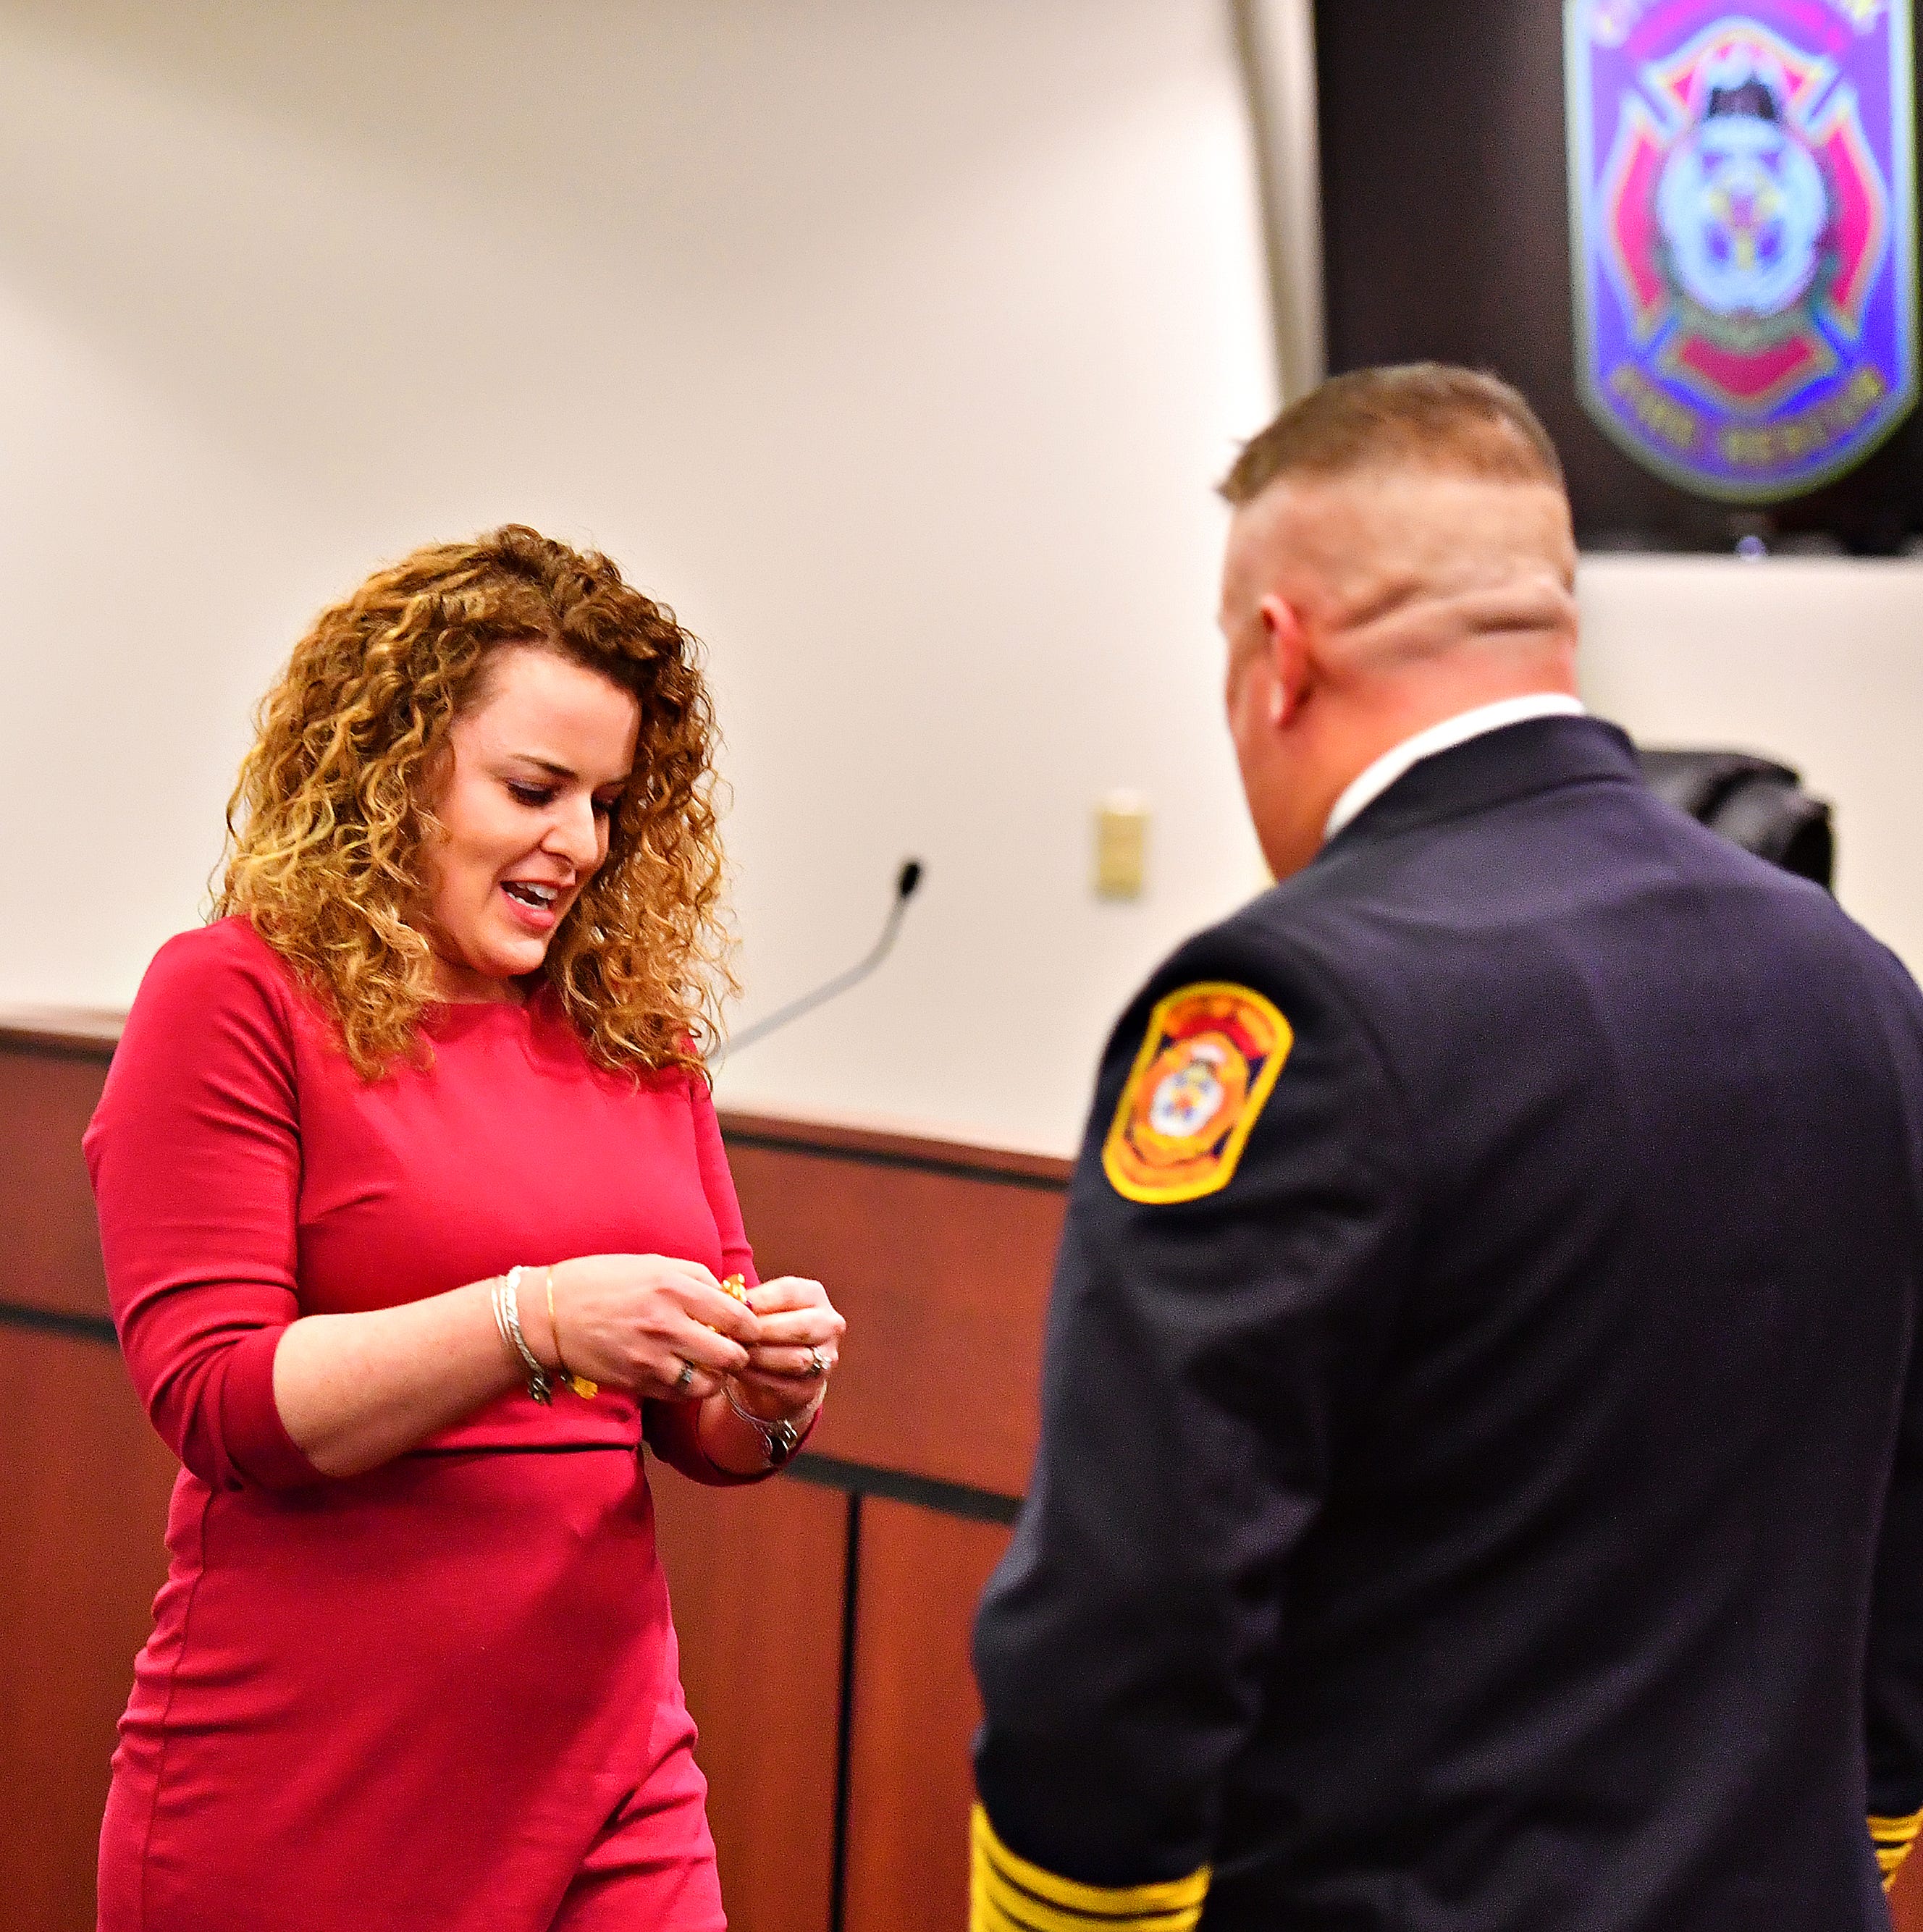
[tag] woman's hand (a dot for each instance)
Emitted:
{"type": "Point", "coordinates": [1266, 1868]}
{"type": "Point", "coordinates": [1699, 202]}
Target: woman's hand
{"type": "Point", "coordinates": [632, 1321]}
{"type": "Point", "coordinates": [790, 1361]}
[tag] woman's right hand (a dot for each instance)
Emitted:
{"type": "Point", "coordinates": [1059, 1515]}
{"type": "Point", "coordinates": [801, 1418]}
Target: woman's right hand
{"type": "Point", "coordinates": [630, 1321]}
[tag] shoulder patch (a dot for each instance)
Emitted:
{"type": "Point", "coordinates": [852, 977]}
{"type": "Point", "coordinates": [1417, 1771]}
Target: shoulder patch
{"type": "Point", "coordinates": [1210, 1060]}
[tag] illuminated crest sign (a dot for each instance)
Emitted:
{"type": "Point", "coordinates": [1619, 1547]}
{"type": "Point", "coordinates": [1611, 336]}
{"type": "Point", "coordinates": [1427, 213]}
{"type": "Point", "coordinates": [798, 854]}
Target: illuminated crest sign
{"type": "Point", "coordinates": [1743, 218]}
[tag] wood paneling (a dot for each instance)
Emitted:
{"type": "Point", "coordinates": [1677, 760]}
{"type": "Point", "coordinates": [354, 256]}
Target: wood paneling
{"type": "Point", "coordinates": [82, 1512]}
{"type": "Point", "coordinates": [915, 1712]}
{"type": "Point", "coordinates": [84, 1033]}
{"type": "Point", "coordinates": [757, 1577]}
{"type": "Point", "coordinates": [47, 1205]}
{"type": "Point", "coordinates": [886, 1146]}
{"type": "Point", "coordinates": [943, 1275]}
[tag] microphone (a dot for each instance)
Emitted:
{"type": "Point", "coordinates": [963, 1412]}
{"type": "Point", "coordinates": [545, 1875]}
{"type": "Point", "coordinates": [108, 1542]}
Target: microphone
{"type": "Point", "coordinates": [906, 880]}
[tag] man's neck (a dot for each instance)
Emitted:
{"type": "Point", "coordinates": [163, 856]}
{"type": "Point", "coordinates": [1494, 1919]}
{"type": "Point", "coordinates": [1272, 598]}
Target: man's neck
{"type": "Point", "coordinates": [1442, 734]}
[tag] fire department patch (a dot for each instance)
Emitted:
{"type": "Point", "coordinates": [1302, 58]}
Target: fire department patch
{"type": "Point", "coordinates": [1211, 1058]}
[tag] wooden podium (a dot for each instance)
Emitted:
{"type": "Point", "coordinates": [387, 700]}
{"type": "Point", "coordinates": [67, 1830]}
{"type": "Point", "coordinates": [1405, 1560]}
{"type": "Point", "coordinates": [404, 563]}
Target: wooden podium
{"type": "Point", "coordinates": [823, 1617]}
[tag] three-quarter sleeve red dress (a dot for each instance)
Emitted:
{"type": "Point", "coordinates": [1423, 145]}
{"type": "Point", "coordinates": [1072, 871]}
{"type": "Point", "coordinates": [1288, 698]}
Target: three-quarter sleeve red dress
{"type": "Point", "coordinates": [444, 1694]}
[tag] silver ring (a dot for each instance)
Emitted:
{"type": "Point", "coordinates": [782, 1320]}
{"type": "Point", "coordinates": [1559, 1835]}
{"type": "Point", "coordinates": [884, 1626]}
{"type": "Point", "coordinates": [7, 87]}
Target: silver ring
{"type": "Point", "coordinates": [682, 1380]}
{"type": "Point", "coordinates": [818, 1364]}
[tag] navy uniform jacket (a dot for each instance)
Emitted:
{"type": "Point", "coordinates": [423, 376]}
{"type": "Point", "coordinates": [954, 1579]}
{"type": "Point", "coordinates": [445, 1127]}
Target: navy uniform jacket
{"type": "Point", "coordinates": [1481, 1481]}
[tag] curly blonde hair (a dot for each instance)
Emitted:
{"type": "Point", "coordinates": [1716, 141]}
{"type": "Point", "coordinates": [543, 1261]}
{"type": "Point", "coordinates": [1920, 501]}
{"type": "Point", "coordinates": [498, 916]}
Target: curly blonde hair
{"type": "Point", "coordinates": [330, 817]}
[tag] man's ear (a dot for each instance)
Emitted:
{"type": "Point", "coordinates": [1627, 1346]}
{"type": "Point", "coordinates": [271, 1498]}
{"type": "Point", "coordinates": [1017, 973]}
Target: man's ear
{"type": "Point", "coordinates": [1285, 644]}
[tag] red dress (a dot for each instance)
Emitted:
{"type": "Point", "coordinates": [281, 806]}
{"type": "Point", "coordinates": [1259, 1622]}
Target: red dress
{"type": "Point", "coordinates": [443, 1695]}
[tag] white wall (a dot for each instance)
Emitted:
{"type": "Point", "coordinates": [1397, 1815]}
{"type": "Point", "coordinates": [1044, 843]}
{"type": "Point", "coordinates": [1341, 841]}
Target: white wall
{"type": "Point", "coordinates": [896, 346]}
{"type": "Point", "coordinates": [1818, 662]}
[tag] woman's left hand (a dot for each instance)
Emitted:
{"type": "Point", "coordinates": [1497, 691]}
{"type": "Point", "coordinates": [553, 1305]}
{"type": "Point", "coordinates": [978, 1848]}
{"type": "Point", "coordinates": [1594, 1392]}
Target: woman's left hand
{"type": "Point", "coordinates": [799, 1344]}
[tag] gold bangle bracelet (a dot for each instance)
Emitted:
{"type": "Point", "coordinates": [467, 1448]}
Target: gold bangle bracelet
{"type": "Point", "coordinates": [580, 1385]}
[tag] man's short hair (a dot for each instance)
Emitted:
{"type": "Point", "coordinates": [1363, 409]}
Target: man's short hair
{"type": "Point", "coordinates": [1420, 416]}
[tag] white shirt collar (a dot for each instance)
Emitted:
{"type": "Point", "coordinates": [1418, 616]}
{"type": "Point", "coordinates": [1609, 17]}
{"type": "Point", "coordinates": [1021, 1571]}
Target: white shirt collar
{"type": "Point", "coordinates": [1369, 784]}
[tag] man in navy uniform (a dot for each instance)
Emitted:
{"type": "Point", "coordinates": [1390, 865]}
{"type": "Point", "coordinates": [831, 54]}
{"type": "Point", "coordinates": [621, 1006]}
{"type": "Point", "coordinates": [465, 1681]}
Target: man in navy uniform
{"type": "Point", "coordinates": [1481, 1479]}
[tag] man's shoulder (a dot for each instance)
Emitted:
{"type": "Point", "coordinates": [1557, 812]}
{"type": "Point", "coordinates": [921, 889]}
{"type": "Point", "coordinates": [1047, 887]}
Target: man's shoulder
{"type": "Point", "coordinates": [1768, 906]}
{"type": "Point", "coordinates": [1306, 936]}
{"type": "Point", "coordinates": [1443, 928]}
{"type": "Point", "coordinates": [1542, 859]}
{"type": "Point", "coordinates": [1241, 1061]}
{"type": "Point", "coordinates": [1268, 978]}
{"type": "Point", "coordinates": [1277, 942]}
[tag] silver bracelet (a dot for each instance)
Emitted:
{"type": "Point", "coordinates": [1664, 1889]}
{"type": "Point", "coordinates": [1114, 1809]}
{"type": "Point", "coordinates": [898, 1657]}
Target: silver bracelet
{"type": "Point", "coordinates": [506, 1296]}
{"type": "Point", "coordinates": [778, 1439]}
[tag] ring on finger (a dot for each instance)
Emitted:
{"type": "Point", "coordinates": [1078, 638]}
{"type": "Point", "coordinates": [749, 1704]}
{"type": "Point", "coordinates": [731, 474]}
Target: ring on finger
{"type": "Point", "coordinates": [818, 1364]}
{"type": "Point", "coordinates": [684, 1378]}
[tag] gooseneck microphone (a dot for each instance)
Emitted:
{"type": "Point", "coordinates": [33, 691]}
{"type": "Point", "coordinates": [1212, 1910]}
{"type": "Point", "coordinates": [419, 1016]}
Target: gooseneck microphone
{"type": "Point", "coordinates": [906, 880]}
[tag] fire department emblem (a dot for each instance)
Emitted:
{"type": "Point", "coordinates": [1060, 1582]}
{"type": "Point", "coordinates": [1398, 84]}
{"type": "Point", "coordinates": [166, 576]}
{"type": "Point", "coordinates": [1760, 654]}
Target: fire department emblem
{"type": "Point", "coordinates": [1743, 218]}
{"type": "Point", "coordinates": [1211, 1056]}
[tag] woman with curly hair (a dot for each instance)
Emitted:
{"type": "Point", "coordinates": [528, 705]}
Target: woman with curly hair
{"type": "Point", "coordinates": [417, 1223]}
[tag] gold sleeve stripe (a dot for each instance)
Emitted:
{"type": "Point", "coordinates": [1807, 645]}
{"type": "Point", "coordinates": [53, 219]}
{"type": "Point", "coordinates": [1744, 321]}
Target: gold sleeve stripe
{"type": "Point", "coordinates": [1892, 1838]}
{"type": "Point", "coordinates": [1179, 1895]}
{"type": "Point", "coordinates": [1007, 1893]}
{"type": "Point", "coordinates": [1007, 1908]}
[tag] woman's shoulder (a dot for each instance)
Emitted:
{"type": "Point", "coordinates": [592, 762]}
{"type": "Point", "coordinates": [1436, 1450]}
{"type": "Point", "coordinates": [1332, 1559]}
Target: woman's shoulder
{"type": "Point", "coordinates": [227, 948]}
{"type": "Point", "coordinates": [215, 1013]}
{"type": "Point", "coordinates": [224, 968]}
